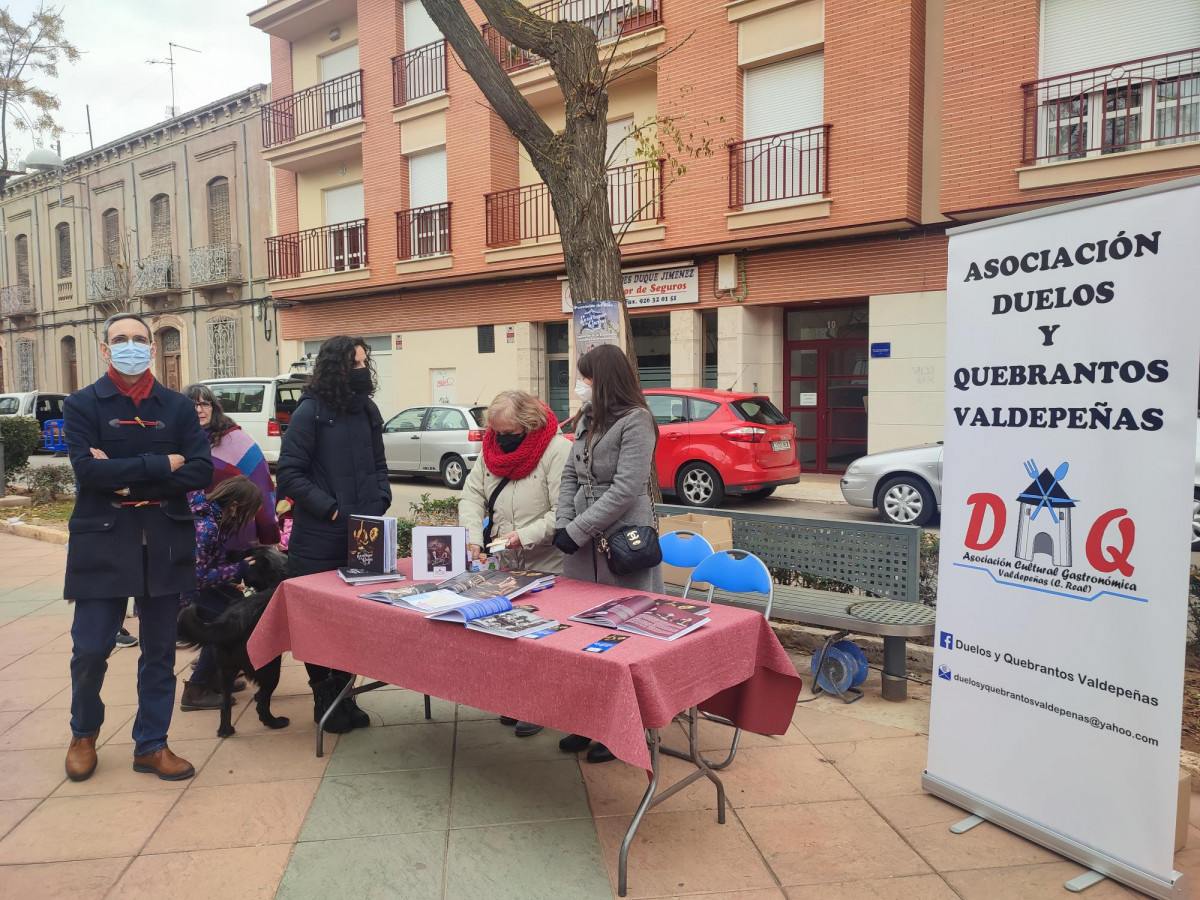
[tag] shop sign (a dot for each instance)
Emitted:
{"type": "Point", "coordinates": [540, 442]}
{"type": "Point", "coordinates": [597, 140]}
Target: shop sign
{"type": "Point", "coordinates": [661, 286]}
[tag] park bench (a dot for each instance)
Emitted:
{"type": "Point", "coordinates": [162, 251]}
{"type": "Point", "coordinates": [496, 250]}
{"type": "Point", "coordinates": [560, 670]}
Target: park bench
{"type": "Point", "coordinates": [882, 562]}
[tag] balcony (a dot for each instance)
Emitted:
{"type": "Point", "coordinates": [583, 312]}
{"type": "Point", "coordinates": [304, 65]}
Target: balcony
{"type": "Point", "coordinates": [316, 126]}
{"type": "Point", "coordinates": [109, 284]}
{"type": "Point", "coordinates": [1144, 104]}
{"type": "Point", "coordinates": [328, 250]}
{"type": "Point", "coordinates": [423, 232]}
{"type": "Point", "coordinates": [525, 214]}
{"type": "Point", "coordinates": [215, 265]}
{"type": "Point", "coordinates": [603, 17]}
{"type": "Point", "coordinates": [784, 166]}
{"type": "Point", "coordinates": [421, 72]}
{"type": "Point", "coordinates": [156, 274]}
{"type": "Point", "coordinates": [64, 290]}
{"type": "Point", "coordinates": [17, 301]}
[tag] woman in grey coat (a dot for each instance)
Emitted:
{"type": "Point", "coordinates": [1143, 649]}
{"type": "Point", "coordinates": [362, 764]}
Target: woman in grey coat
{"type": "Point", "coordinates": [606, 482]}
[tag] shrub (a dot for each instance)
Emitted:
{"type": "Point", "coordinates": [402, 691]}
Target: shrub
{"type": "Point", "coordinates": [427, 512]}
{"type": "Point", "coordinates": [50, 482]}
{"type": "Point", "coordinates": [22, 435]}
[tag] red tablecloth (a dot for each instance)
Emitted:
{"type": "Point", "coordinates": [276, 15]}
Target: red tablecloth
{"type": "Point", "coordinates": [734, 666]}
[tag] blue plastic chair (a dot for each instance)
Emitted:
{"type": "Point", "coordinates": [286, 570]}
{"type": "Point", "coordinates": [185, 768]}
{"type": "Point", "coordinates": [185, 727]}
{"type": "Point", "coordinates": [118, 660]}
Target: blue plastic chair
{"type": "Point", "coordinates": [684, 549]}
{"type": "Point", "coordinates": [737, 572]}
{"type": "Point", "coordinates": [54, 435]}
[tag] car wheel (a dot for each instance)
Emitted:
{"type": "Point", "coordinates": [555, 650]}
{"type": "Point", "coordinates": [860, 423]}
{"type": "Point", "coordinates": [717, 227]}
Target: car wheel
{"type": "Point", "coordinates": [454, 472]}
{"type": "Point", "coordinates": [906, 500]}
{"type": "Point", "coordinates": [760, 494]}
{"type": "Point", "coordinates": [698, 484]}
{"type": "Point", "coordinates": [1196, 520]}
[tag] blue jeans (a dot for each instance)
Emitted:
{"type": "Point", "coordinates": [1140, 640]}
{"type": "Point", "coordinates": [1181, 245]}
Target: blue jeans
{"type": "Point", "coordinates": [94, 634]}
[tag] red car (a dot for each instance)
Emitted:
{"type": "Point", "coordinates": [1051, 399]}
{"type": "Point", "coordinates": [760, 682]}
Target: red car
{"type": "Point", "coordinates": [713, 443]}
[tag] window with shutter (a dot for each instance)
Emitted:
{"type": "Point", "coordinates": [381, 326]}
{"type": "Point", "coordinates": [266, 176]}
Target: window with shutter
{"type": "Point", "coordinates": [784, 101]}
{"type": "Point", "coordinates": [1084, 34]}
{"type": "Point", "coordinates": [486, 338]}
{"type": "Point", "coordinates": [21, 246]}
{"type": "Point", "coordinates": [218, 211]}
{"type": "Point", "coordinates": [62, 247]}
{"type": "Point", "coordinates": [111, 228]}
{"type": "Point", "coordinates": [160, 225]}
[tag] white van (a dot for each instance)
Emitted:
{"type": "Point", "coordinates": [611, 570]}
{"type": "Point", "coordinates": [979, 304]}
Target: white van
{"type": "Point", "coordinates": [261, 405]}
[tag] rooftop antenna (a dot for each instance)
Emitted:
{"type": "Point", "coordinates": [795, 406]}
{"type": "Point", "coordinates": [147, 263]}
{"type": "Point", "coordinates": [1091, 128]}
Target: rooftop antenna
{"type": "Point", "coordinates": [739, 378]}
{"type": "Point", "coordinates": [169, 62]}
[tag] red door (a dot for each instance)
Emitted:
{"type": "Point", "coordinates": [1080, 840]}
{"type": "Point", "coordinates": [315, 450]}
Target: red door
{"type": "Point", "coordinates": [825, 392]}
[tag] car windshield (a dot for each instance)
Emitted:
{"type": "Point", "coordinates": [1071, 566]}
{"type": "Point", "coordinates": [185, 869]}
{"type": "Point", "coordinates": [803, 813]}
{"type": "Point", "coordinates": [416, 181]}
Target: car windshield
{"type": "Point", "coordinates": [478, 413]}
{"type": "Point", "coordinates": [758, 410]}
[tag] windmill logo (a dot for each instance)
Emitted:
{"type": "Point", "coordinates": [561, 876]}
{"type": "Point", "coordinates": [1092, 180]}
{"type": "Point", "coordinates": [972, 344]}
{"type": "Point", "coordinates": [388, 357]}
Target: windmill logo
{"type": "Point", "coordinates": [1044, 519]}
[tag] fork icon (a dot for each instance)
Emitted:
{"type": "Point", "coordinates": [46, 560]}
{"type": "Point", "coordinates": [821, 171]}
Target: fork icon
{"type": "Point", "coordinates": [1031, 468]}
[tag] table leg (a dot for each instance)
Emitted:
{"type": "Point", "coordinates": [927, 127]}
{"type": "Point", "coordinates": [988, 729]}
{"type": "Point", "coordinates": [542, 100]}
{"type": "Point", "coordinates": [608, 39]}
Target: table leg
{"type": "Point", "coordinates": [895, 669]}
{"type": "Point", "coordinates": [647, 802]}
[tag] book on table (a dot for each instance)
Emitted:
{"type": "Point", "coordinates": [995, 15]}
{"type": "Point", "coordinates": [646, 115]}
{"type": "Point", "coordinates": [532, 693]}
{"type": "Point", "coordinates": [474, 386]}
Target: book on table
{"type": "Point", "coordinates": [462, 589]}
{"type": "Point", "coordinates": [648, 616]}
{"type": "Point", "coordinates": [496, 615]}
{"type": "Point", "coordinates": [371, 544]}
{"type": "Point", "coordinates": [354, 575]}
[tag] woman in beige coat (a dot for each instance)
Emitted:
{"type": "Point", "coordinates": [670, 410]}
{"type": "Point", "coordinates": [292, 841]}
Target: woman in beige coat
{"type": "Point", "coordinates": [516, 485]}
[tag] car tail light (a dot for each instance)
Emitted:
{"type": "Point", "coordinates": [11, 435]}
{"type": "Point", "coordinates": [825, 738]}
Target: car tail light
{"type": "Point", "coordinates": [273, 429]}
{"type": "Point", "coordinates": [475, 434]}
{"type": "Point", "coordinates": [747, 434]}
{"type": "Point", "coordinates": [283, 416]}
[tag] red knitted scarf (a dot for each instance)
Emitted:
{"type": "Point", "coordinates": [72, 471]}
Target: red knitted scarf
{"type": "Point", "coordinates": [138, 391]}
{"type": "Point", "coordinates": [524, 459]}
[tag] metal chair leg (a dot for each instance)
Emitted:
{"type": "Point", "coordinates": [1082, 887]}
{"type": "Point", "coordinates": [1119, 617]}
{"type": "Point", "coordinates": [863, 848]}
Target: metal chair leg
{"type": "Point", "coordinates": [428, 711]}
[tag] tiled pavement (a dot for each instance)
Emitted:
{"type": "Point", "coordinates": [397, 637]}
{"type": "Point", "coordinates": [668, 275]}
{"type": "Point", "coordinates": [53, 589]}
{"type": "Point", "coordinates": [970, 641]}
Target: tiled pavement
{"type": "Point", "coordinates": [458, 807]}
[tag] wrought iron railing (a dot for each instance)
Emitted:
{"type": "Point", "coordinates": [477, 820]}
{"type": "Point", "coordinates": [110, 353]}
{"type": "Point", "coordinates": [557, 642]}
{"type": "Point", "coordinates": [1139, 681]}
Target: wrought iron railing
{"type": "Point", "coordinates": [419, 72]}
{"type": "Point", "coordinates": [779, 167]}
{"type": "Point", "coordinates": [606, 18]}
{"type": "Point", "coordinates": [156, 274]}
{"type": "Point", "coordinates": [17, 301]}
{"type": "Point", "coordinates": [330, 248]}
{"type": "Point", "coordinates": [312, 109]}
{"type": "Point", "coordinates": [635, 194]}
{"type": "Point", "coordinates": [1147, 102]}
{"type": "Point", "coordinates": [64, 290]}
{"type": "Point", "coordinates": [108, 284]}
{"type": "Point", "coordinates": [215, 264]}
{"type": "Point", "coordinates": [423, 231]}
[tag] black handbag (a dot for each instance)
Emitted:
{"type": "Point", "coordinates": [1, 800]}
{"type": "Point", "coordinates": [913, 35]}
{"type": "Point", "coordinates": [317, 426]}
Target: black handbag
{"type": "Point", "coordinates": [628, 548]}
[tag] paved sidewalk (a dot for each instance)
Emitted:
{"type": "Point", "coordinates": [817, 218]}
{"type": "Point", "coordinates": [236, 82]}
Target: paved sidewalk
{"type": "Point", "coordinates": [460, 808]}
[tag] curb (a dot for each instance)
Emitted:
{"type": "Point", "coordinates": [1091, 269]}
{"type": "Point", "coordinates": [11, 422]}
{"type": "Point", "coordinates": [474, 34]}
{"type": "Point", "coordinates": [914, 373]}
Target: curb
{"type": "Point", "coordinates": [36, 532]}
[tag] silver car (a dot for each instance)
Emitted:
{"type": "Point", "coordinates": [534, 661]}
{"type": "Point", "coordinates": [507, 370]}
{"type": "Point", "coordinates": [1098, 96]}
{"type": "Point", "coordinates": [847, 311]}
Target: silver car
{"type": "Point", "coordinates": [906, 485]}
{"type": "Point", "coordinates": [428, 440]}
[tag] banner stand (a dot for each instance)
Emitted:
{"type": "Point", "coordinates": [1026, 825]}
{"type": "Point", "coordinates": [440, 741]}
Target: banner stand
{"type": "Point", "coordinates": [1060, 844]}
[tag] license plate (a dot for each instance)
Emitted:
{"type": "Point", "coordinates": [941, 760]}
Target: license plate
{"type": "Point", "coordinates": [781, 445]}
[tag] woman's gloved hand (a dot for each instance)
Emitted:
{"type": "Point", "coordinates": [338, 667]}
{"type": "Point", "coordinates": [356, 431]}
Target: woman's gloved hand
{"type": "Point", "coordinates": [563, 541]}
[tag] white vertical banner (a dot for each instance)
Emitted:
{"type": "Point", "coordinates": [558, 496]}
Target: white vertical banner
{"type": "Point", "coordinates": [1073, 342]}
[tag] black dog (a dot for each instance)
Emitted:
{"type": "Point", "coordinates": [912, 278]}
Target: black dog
{"type": "Point", "coordinates": [229, 632]}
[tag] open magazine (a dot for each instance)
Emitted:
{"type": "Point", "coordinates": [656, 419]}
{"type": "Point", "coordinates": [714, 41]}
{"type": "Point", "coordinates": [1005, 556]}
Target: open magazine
{"type": "Point", "coordinates": [647, 616]}
{"type": "Point", "coordinates": [498, 616]}
{"type": "Point", "coordinates": [463, 589]}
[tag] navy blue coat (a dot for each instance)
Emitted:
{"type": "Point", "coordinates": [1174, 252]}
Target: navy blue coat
{"type": "Point", "coordinates": [330, 461]}
{"type": "Point", "coordinates": [104, 554]}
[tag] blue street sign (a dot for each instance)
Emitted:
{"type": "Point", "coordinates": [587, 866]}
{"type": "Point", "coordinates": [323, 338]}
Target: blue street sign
{"type": "Point", "coordinates": [881, 351]}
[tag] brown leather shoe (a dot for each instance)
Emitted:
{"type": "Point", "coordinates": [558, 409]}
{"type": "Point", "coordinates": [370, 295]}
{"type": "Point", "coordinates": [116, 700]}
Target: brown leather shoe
{"type": "Point", "coordinates": [165, 764]}
{"type": "Point", "coordinates": [81, 758]}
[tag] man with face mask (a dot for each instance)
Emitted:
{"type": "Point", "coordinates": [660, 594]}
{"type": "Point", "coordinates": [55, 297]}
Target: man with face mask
{"type": "Point", "coordinates": [137, 448]}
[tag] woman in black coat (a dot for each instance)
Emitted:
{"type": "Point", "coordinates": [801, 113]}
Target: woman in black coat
{"type": "Point", "coordinates": [332, 466]}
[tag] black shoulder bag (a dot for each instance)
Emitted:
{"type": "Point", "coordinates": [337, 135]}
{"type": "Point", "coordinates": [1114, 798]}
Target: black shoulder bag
{"type": "Point", "coordinates": [628, 548]}
{"type": "Point", "coordinates": [489, 512]}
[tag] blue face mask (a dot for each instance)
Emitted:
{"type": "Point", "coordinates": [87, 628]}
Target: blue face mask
{"type": "Point", "coordinates": [130, 358]}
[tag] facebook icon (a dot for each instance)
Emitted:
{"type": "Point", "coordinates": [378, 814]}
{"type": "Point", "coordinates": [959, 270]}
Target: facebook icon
{"type": "Point", "coordinates": [946, 640]}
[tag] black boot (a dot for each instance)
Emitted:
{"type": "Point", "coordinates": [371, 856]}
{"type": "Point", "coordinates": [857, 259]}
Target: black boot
{"type": "Point", "coordinates": [358, 718]}
{"type": "Point", "coordinates": [324, 693]}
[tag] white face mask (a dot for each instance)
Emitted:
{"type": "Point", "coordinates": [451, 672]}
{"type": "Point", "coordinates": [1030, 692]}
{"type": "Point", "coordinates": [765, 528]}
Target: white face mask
{"type": "Point", "coordinates": [583, 391]}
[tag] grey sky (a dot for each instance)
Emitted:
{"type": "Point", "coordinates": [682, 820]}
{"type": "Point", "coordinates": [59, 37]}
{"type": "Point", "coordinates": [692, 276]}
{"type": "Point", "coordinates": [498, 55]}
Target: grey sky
{"type": "Point", "coordinates": [116, 37]}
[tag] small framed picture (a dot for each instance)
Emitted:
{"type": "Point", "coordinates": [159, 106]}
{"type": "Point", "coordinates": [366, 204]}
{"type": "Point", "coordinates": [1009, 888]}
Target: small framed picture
{"type": "Point", "coordinates": [439, 551]}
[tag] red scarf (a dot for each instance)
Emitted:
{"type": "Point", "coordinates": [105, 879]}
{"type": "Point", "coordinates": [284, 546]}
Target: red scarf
{"type": "Point", "coordinates": [138, 391]}
{"type": "Point", "coordinates": [524, 459]}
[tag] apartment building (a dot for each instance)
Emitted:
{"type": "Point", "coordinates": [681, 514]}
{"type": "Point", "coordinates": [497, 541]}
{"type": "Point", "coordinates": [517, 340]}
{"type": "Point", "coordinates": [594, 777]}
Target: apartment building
{"type": "Point", "coordinates": [804, 258]}
{"type": "Point", "coordinates": [170, 222]}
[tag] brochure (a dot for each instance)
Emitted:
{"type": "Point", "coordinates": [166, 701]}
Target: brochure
{"type": "Point", "coordinates": [371, 544]}
{"type": "Point", "coordinates": [647, 616]}
{"type": "Point", "coordinates": [366, 576]}
{"type": "Point", "coordinates": [497, 616]}
{"type": "Point", "coordinates": [463, 589]}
